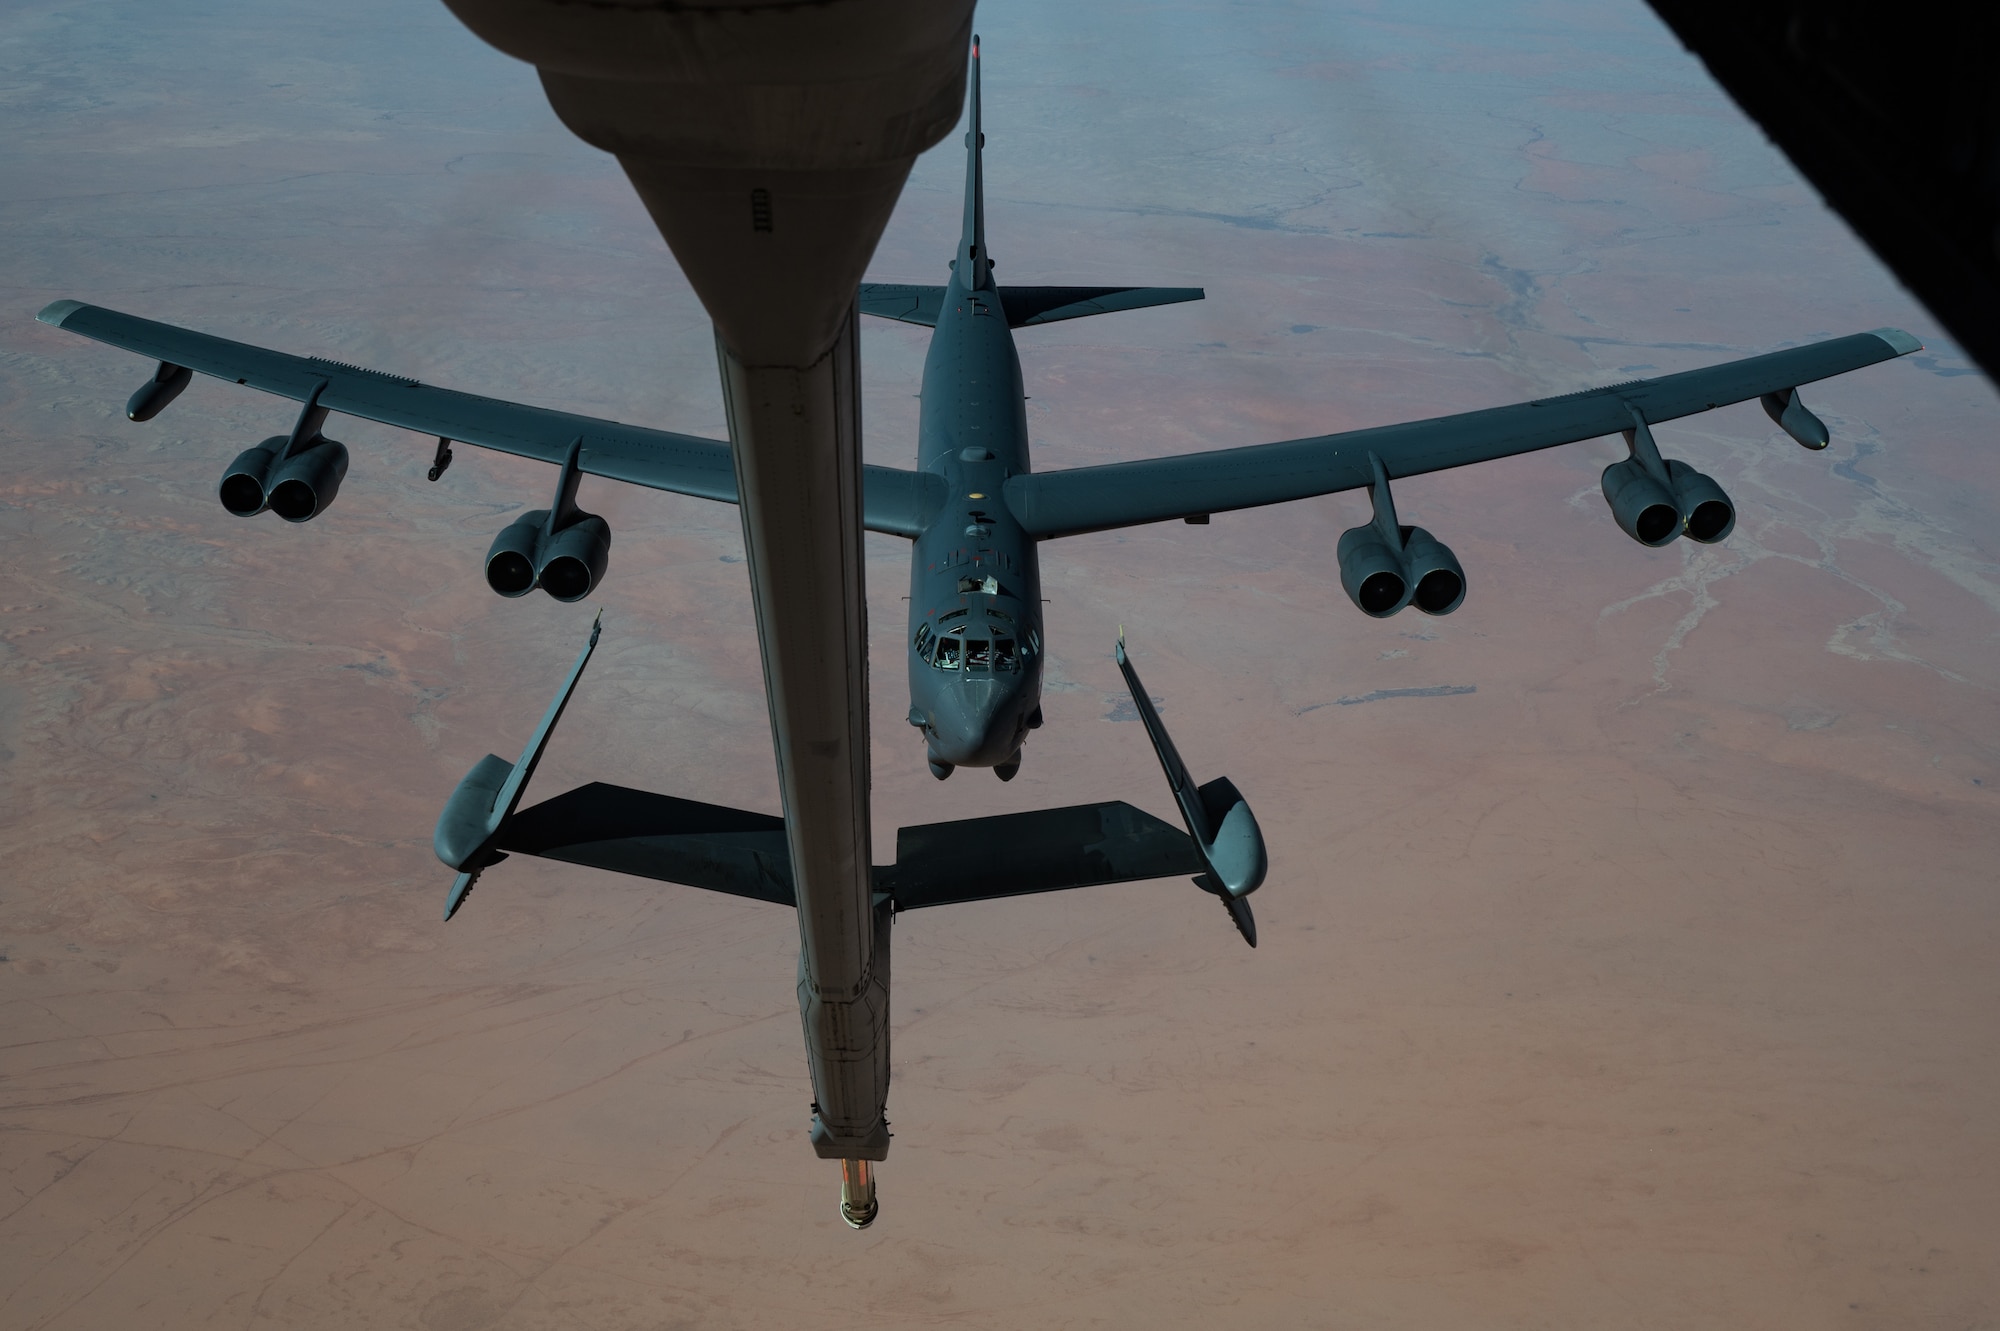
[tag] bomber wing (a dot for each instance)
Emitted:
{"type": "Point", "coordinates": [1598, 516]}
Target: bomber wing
{"type": "Point", "coordinates": [1126, 494]}
{"type": "Point", "coordinates": [894, 501]}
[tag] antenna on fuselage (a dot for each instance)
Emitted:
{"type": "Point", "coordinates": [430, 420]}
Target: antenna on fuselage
{"type": "Point", "coordinates": [973, 268]}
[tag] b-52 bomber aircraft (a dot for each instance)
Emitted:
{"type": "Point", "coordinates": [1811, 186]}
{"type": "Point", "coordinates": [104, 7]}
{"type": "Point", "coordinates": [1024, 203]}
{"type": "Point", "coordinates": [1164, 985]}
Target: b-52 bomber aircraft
{"type": "Point", "coordinates": [976, 513]}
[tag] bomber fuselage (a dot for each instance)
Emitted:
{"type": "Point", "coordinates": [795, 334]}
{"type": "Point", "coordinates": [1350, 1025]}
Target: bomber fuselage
{"type": "Point", "coordinates": [975, 633]}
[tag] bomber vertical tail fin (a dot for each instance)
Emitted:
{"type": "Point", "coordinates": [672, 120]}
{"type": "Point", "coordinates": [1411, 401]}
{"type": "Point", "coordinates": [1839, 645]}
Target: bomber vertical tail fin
{"type": "Point", "coordinates": [1218, 818]}
{"type": "Point", "coordinates": [973, 269]}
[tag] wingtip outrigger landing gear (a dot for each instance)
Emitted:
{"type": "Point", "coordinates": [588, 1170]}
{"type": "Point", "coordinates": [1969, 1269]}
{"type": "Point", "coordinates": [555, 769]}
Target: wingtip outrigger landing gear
{"type": "Point", "coordinates": [441, 459]}
{"type": "Point", "coordinates": [1225, 832]}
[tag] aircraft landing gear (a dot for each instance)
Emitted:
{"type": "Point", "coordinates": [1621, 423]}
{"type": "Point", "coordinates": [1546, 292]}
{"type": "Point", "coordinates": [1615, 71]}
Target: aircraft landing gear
{"type": "Point", "coordinates": [858, 1206]}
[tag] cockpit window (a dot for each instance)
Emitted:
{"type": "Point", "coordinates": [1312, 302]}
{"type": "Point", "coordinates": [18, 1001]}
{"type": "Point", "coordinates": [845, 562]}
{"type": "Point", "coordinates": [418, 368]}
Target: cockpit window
{"type": "Point", "coordinates": [978, 654]}
{"type": "Point", "coordinates": [994, 612]}
{"type": "Point", "coordinates": [952, 614]}
{"type": "Point", "coordinates": [923, 638]}
{"type": "Point", "coordinates": [990, 586]}
{"type": "Point", "coordinates": [1003, 654]}
{"type": "Point", "coordinates": [947, 654]}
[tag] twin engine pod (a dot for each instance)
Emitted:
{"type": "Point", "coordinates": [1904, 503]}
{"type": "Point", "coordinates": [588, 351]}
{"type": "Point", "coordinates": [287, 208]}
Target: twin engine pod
{"type": "Point", "coordinates": [1656, 500]}
{"type": "Point", "coordinates": [295, 476]}
{"type": "Point", "coordinates": [567, 564]}
{"type": "Point", "coordinates": [1382, 580]}
{"type": "Point", "coordinates": [297, 488]}
{"type": "Point", "coordinates": [1385, 566]}
{"type": "Point", "coordinates": [561, 549]}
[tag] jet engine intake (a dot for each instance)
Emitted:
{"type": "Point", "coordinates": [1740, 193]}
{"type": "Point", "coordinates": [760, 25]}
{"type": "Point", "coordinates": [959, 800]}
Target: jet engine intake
{"type": "Point", "coordinates": [1385, 566]}
{"type": "Point", "coordinates": [1373, 575]}
{"type": "Point", "coordinates": [303, 484]}
{"type": "Point", "coordinates": [574, 559]}
{"type": "Point", "coordinates": [242, 490]}
{"type": "Point", "coordinates": [295, 476]}
{"type": "Point", "coordinates": [1435, 571]}
{"type": "Point", "coordinates": [567, 564]}
{"type": "Point", "coordinates": [1656, 500]}
{"type": "Point", "coordinates": [1640, 504]}
{"type": "Point", "coordinates": [1707, 514]}
{"type": "Point", "coordinates": [515, 555]}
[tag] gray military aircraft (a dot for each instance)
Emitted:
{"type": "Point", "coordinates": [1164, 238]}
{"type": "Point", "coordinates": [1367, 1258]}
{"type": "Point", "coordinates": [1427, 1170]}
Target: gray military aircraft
{"type": "Point", "coordinates": [976, 513]}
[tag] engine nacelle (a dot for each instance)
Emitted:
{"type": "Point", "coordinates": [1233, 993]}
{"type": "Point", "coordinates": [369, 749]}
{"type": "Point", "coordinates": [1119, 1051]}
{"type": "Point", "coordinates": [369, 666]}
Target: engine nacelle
{"type": "Point", "coordinates": [1439, 581]}
{"type": "Point", "coordinates": [303, 484]}
{"type": "Point", "coordinates": [154, 395]}
{"type": "Point", "coordinates": [574, 558]}
{"type": "Point", "coordinates": [1372, 574]}
{"type": "Point", "coordinates": [567, 565]}
{"type": "Point", "coordinates": [1641, 505]}
{"type": "Point", "coordinates": [297, 489]}
{"type": "Point", "coordinates": [515, 555]}
{"type": "Point", "coordinates": [242, 490]}
{"type": "Point", "coordinates": [1707, 514]}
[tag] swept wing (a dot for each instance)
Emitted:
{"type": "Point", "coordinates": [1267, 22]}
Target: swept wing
{"type": "Point", "coordinates": [894, 501]}
{"type": "Point", "coordinates": [1125, 494]}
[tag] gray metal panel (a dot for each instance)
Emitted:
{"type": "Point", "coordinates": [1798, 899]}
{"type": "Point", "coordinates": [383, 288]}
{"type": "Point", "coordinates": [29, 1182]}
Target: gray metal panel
{"type": "Point", "coordinates": [1063, 503]}
{"type": "Point", "coordinates": [657, 836]}
{"type": "Point", "coordinates": [895, 501]}
{"type": "Point", "coordinates": [1047, 850]}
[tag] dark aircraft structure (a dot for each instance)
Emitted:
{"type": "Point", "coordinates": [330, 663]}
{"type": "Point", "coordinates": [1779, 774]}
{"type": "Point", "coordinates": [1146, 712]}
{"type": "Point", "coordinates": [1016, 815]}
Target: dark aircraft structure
{"type": "Point", "coordinates": [1893, 114]}
{"type": "Point", "coordinates": [976, 514]}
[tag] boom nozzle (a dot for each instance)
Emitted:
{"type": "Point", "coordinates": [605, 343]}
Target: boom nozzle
{"type": "Point", "coordinates": [858, 1206]}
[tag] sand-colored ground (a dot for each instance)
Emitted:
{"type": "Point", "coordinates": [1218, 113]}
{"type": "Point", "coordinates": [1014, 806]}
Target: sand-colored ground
{"type": "Point", "coordinates": [1651, 983]}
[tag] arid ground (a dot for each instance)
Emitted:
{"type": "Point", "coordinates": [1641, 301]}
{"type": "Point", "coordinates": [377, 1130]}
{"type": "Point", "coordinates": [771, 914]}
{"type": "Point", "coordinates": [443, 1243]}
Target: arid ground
{"type": "Point", "coordinates": [1638, 969]}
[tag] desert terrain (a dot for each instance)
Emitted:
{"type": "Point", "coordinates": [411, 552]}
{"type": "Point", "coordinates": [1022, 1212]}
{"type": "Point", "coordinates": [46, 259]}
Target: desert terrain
{"type": "Point", "coordinates": [1629, 953]}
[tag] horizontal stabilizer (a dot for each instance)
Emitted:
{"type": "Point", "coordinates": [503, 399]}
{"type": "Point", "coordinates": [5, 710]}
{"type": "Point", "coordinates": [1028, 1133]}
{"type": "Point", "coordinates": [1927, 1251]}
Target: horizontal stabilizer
{"type": "Point", "coordinates": [1017, 854]}
{"type": "Point", "coordinates": [744, 854]}
{"type": "Point", "coordinates": [912, 305]}
{"type": "Point", "coordinates": [1025, 306]}
{"type": "Point", "coordinates": [658, 836]}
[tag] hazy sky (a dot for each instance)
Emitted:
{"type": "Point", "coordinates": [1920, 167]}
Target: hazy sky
{"type": "Point", "coordinates": [1635, 970]}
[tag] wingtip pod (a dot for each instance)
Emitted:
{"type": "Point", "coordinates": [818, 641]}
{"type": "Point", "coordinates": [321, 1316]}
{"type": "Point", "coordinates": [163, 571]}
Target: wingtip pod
{"type": "Point", "coordinates": [56, 311]}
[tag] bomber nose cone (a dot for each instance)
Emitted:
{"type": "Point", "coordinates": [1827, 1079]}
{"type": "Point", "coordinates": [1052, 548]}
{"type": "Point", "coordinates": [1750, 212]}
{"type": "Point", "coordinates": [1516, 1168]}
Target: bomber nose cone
{"type": "Point", "coordinates": [978, 722]}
